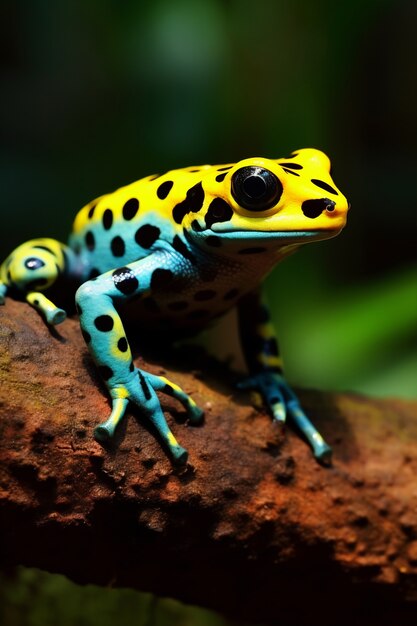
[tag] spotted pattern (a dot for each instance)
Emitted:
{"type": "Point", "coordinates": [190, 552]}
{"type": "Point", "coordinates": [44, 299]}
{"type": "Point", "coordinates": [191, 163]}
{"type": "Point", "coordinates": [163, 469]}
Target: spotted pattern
{"type": "Point", "coordinates": [180, 247]}
{"type": "Point", "coordinates": [105, 371]}
{"type": "Point", "coordinates": [146, 235]}
{"type": "Point", "coordinates": [144, 386]}
{"type": "Point", "coordinates": [292, 166]}
{"type": "Point", "coordinates": [164, 189]}
{"type": "Point", "coordinates": [107, 219]}
{"type": "Point", "coordinates": [104, 323]}
{"type": "Point", "coordinates": [122, 344]}
{"type": "Point", "coordinates": [218, 211]}
{"type": "Point", "coordinates": [161, 278]}
{"type": "Point", "coordinates": [90, 242]}
{"type": "Point", "coordinates": [192, 204]}
{"type": "Point", "coordinates": [117, 246]}
{"type": "Point", "coordinates": [39, 247]}
{"type": "Point", "coordinates": [325, 186]}
{"type": "Point", "coordinates": [213, 241]}
{"type": "Point", "coordinates": [125, 281]}
{"type": "Point", "coordinates": [172, 292]}
{"type": "Point", "coordinates": [36, 284]}
{"type": "Point", "coordinates": [314, 208]}
{"type": "Point", "coordinates": [196, 226]}
{"type": "Point", "coordinates": [221, 177]}
{"type": "Point", "coordinates": [130, 208]}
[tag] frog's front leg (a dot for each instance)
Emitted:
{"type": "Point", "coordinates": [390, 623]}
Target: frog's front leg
{"type": "Point", "coordinates": [104, 334]}
{"type": "Point", "coordinates": [266, 375]}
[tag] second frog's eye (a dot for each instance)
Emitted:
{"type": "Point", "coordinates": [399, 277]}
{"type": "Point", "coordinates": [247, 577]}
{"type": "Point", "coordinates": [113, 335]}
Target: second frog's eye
{"type": "Point", "coordinates": [255, 188]}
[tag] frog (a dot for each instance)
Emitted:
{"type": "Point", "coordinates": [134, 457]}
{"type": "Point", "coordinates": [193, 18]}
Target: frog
{"type": "Point", "coordinates": [181, 249]}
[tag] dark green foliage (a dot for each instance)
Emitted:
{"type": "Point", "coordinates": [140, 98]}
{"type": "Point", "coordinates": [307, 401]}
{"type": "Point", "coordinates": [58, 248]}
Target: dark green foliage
{"type": "Point", "coordinates": [35, 598]}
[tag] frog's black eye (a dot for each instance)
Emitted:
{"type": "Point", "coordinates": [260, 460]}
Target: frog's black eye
{"type": "Point", "coordinates": [34, 263]}
{"type": "Point", "coordinates": [255, 188]}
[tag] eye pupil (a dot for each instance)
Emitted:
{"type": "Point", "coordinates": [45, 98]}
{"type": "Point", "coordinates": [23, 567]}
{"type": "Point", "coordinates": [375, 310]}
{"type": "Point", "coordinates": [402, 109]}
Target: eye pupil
{"type": "Point", "coordinates": [33, 263]}
{"type": "Point", "coordinates": [256, 188]}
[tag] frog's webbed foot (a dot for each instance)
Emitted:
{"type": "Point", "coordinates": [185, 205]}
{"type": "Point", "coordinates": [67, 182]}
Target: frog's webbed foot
{"type": "Point", "coordinates": [282, 402]}
{"type": "Point", "coordinates": [141, 391]}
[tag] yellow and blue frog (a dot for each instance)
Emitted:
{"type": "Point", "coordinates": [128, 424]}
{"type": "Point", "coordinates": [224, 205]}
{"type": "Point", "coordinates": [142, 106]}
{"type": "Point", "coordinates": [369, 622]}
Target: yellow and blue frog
{"type": "Point", "coordinates": [183, 248]}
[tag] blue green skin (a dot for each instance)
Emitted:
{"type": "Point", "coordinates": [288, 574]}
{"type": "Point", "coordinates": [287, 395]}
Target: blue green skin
{"type": "Point", "coordinates": [103, 295]}
{"type": "Point", "coordinates": [209, 280]}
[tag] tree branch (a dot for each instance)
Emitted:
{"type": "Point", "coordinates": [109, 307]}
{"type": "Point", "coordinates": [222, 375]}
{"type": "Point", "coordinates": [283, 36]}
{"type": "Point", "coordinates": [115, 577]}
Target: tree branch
{"type": "Point", "coordinates": [252, 527]}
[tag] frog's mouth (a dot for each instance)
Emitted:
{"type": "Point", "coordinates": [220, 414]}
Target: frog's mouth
{"type": "Point", "coordinates": [286, 237]}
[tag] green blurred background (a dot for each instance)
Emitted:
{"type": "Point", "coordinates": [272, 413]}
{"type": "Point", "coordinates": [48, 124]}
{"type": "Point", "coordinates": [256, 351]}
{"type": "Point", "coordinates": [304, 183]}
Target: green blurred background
{"type": "Point", "coordinates": [96, 94]}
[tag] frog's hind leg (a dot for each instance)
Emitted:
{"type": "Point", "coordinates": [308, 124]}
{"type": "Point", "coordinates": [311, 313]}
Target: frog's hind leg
{"type": "Point", "coordinates": [32, 268]}
{"type": "Point", "coordinates": [104, 334]}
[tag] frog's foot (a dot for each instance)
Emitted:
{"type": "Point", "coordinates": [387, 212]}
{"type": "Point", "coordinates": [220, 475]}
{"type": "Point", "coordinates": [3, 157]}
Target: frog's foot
{"type": "Point", "coordinates": [141, 391]}
{"type": "Point", "coordinates": [282, 402]}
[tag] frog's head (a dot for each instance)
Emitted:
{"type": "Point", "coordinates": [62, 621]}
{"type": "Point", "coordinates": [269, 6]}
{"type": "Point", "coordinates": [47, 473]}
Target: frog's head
{"type": "Point", "coordinates": [273, 202]}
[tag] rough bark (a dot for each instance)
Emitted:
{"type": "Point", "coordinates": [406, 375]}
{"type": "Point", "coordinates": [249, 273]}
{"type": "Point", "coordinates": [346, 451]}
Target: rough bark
{"type": "Point", "coordinates": [252, 526]}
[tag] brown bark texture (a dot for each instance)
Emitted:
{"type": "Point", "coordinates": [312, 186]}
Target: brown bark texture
{"type": "Point", "coordinates": [252, 526]}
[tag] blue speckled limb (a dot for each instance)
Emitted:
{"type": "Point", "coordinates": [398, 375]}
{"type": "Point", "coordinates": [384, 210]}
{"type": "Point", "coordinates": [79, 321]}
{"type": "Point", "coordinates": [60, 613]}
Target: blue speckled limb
{"type": "Point", "coordinates": [104, 334]}
{"type": "Point", "coordinates": [266, 375]}
{"type": "Point", "coordinates": [282, 402]}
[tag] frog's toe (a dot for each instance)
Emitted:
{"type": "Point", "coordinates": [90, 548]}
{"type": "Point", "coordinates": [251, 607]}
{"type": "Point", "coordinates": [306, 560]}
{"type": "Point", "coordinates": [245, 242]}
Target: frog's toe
{"type": "Point", "coordinates": [321, 449]}
{"type": "Point", "coordinates": [323, 453]}
{"type": "Point", "coordinates": [102, 433]}
{"type": "Point", "coordinates": [56, 317]}
{"type": "Point", "coordinates": [195, 414]}
{"type": "Point", "coordinates": [278, 411]}
{"type": "Point", "coordinates": [179, 454]}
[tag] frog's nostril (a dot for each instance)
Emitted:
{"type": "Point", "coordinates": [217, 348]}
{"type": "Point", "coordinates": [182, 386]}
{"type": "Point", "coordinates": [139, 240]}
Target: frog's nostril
{"type": "Point", "coordinates": [314, 208]}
